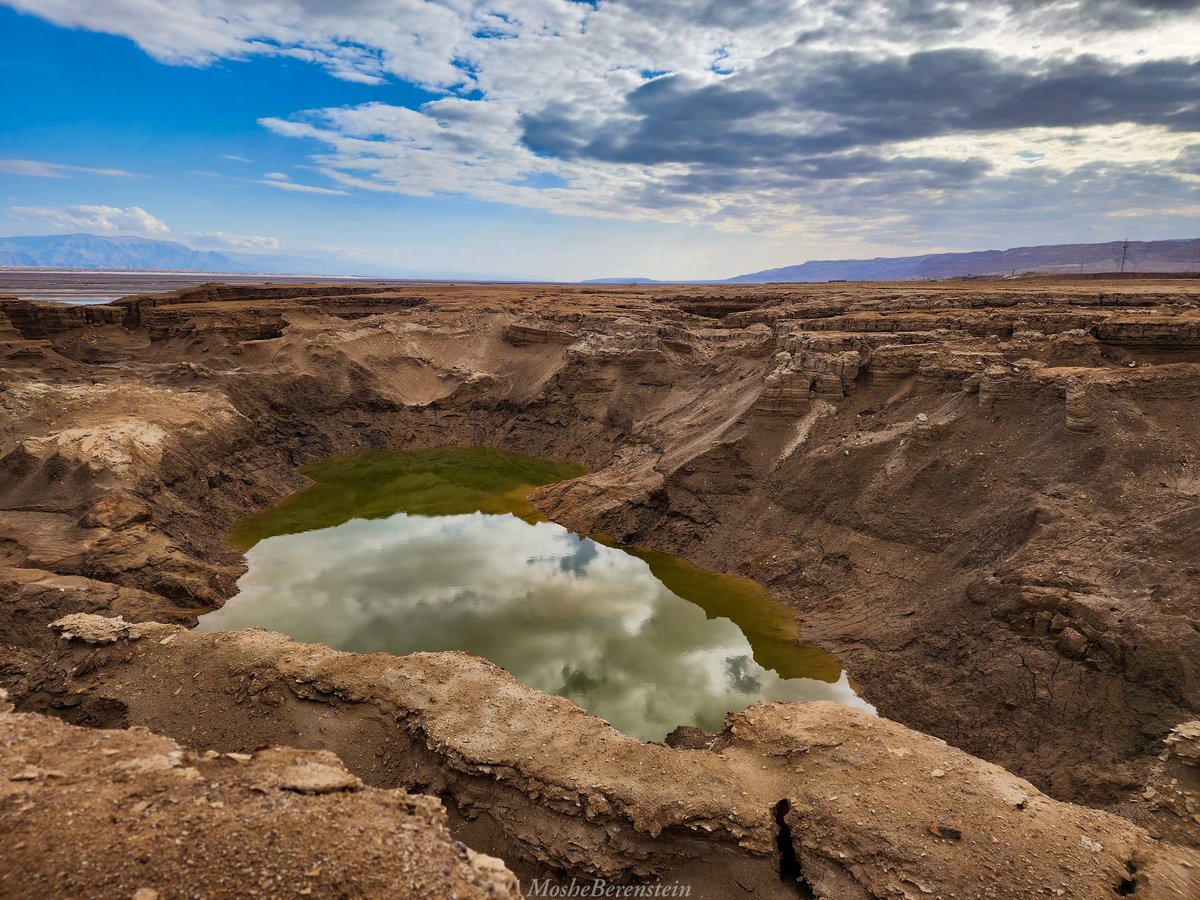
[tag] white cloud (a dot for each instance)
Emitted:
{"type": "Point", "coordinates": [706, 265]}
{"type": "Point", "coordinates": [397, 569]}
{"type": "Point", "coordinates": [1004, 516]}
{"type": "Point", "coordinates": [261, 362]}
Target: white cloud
{"type": "Point", "coordinates": [252, 243]}
{"type": "Point", "coordinates": [235, 158]}
{"type": "Point", "coordinates": [359, 40]}
{"type": "Point", "coordinates": [276, 176]}
{"type": "Point", "coordinates": [97, 219]}
{"type": "Point", "coordinates": [748, 67]}
{"type": "Point", "coordinates": [301, 188]}
{"type": "Point", "coordinates": [33, 168]}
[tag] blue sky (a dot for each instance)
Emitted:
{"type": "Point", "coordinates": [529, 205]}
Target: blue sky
{"type": "Point", "coordinates": [552, 139]}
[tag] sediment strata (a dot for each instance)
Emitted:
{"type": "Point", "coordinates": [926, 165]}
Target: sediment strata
{"type": "Point", "coordinates": [982, 496]}
{"type": "Point", "coordinates": [857, 806]}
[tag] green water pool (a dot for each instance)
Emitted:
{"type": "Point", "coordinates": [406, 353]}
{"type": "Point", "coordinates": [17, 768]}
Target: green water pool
{"type": "Point", "coordinates": [402, 551]}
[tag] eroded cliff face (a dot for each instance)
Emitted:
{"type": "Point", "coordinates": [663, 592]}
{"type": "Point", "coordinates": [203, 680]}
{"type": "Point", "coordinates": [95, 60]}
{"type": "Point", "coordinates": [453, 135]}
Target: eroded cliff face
{"type": "Point", "coordinates": [982, 497]}
{"type": "Point", "coordinates": [789, 796]}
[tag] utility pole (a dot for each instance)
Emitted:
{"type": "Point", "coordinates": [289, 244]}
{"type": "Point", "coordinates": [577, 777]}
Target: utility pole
{"type": "Point", "coordinates": [1124, 254]}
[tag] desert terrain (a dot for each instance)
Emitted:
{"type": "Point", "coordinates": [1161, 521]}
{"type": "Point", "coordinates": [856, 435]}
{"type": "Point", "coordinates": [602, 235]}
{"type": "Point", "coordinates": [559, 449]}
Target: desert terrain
{"type": "Point", "coordinates": [106, 285]}
{"type": "Point", "coordinates": [982, 496]}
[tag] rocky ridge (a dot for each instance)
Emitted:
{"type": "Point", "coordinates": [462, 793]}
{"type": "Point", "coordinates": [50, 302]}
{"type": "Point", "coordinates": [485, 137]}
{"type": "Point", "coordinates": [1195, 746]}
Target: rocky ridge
{"type": "Point", "coordinates": [856, 806]}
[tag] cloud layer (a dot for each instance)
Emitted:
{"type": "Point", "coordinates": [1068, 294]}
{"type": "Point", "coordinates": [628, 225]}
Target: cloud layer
{"type": "Point", "coordinates": [281, 181]}
{"type": "Point", "coordinates": [96, 219]}
{"type": "Point", "coordinates": [252, 243]}
{"type": "Point", "coordinates": [32, 168]}
{"type": "Point", "coordinates": [868, 119]}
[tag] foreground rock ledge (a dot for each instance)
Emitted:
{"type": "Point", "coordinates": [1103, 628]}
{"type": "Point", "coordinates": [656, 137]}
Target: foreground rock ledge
{"type": "Point", "coordinates": [816, 796]}
{"type": "Point", "coordinates": [88, 813]}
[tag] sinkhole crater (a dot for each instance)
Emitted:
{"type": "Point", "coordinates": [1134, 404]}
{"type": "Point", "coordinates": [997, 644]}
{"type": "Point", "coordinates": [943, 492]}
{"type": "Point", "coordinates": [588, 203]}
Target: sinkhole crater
{"type": "Point", "coordinates": [437, 550]}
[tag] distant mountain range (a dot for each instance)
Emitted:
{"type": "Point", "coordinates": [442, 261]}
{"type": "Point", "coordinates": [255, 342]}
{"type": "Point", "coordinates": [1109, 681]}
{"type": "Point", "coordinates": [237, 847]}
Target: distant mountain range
{"type": "Point", "coordinates": [1064, 259]}
{"type": "Point", "coordinates": [91, 251]}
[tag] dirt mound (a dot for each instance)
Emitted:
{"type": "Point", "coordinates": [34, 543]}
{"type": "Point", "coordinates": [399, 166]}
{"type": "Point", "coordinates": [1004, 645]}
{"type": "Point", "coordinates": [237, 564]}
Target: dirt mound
{"type": "Point", "coordinates": [130, 814]}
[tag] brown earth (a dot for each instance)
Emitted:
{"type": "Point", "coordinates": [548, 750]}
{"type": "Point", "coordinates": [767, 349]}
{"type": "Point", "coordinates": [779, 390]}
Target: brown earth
{"type": "Point", "coordinates": [982, 496]}
{"type": "Point", "coordinates": [852, 805]}
{"type": "Point", "coordinates": [89, 813]}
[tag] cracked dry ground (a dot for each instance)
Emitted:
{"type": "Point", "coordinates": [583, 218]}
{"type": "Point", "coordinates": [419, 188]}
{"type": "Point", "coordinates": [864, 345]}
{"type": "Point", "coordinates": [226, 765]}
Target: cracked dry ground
{"type": "Point", "coordinates": [983, 496]}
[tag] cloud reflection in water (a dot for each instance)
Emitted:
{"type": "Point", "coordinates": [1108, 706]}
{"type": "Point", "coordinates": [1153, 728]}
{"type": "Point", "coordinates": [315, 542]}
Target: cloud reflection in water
{"type": "Point", "coordinates": [563, 614]}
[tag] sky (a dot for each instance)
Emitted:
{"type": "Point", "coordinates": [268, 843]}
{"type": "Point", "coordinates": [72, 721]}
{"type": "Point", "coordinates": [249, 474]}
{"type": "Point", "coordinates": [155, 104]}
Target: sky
{"type": "Point", "coordinates": [552, 139]}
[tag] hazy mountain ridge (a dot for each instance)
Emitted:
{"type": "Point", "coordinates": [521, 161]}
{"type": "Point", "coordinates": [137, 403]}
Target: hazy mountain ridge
{"type": "Point", "coordinates": [1143, 256]}
{"type": "Point", "coordinates": [92, 251]}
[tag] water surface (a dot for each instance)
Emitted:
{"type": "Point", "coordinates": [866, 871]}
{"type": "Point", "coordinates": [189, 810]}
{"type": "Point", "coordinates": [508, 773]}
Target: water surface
{"type": "Point", "coordinates": [643, 640]}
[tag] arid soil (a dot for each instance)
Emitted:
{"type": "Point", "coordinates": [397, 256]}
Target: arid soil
{"type": "Point", "coordinates": [89, 813]}
{"type": "Point", "coordinates": [983, 496]}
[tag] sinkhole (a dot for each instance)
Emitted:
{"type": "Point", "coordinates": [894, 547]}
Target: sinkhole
{"type": "Point", "coordinates": [432, 550]}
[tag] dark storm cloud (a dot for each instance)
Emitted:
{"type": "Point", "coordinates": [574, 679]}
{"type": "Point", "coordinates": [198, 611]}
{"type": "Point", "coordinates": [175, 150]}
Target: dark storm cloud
{"type": "Point", "coordinates": [829, 185]}
{"type": "Point", "coordinates": [925, 16]}
{"type": "Point", "coordinates": [843, 101]}
{"type": "Point", "coordinates": [1189, 160]}
{"type": "Point", "coordinates": [944, 91]}
{"type": "Point", "coordinates": [1077, 203]}
{"type": "Point", "coordinates": [727, 14]}
{"type": "Point", "coordinates": [887, 175]}
{"type": "Point", "coordinates": [717, 13]}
